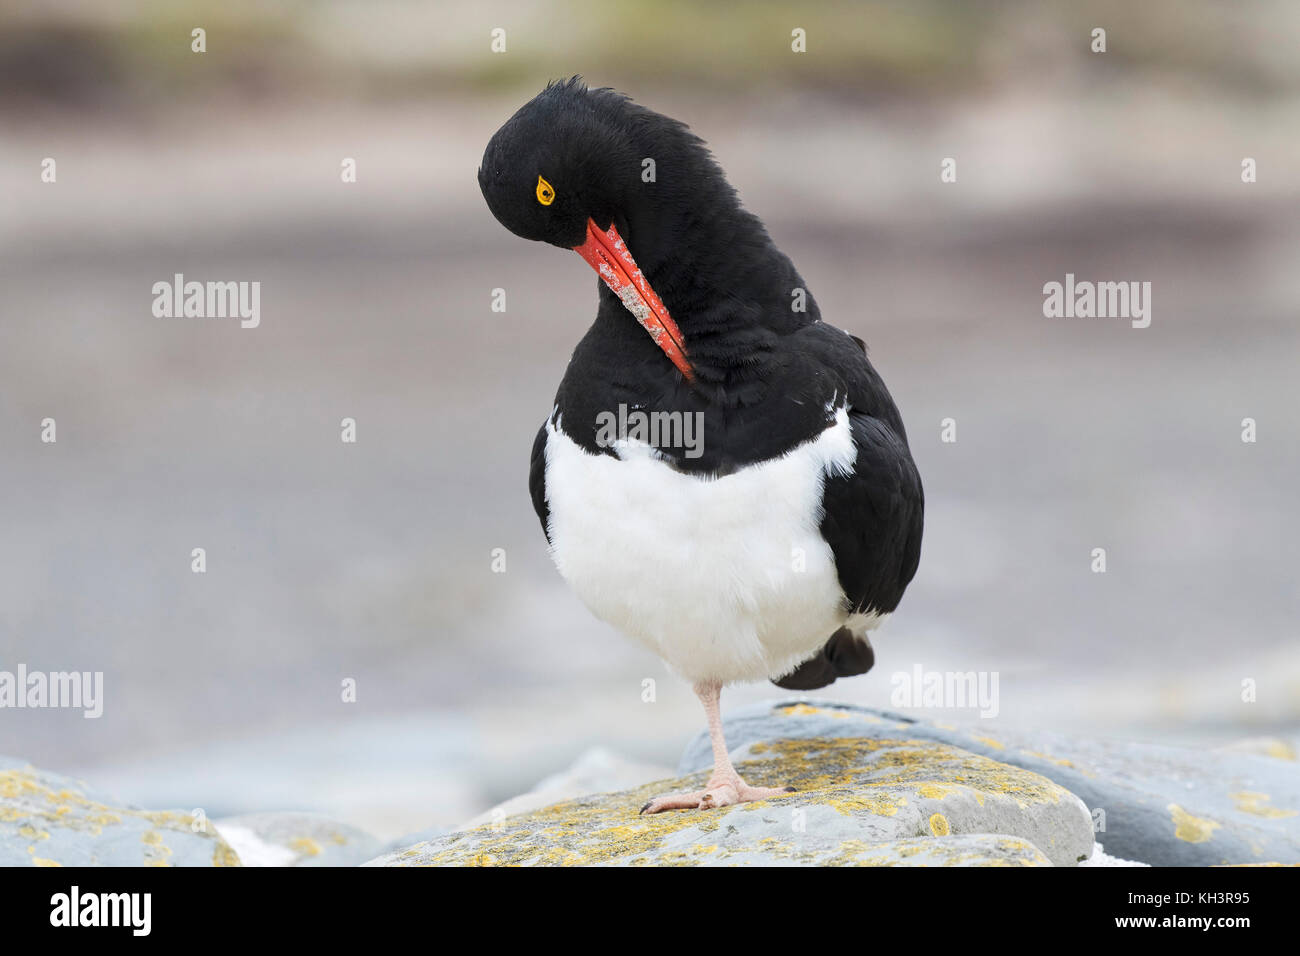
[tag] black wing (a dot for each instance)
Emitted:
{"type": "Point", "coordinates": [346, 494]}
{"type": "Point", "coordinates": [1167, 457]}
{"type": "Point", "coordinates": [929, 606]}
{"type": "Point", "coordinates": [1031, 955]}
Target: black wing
{"type": "Point", "coordinates": [872, 519]}
{"type": "Point", "coordinates": [537, 481]}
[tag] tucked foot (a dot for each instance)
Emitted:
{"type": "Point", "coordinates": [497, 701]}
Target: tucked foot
{"type": "Point", "coordinates": [719, 793]}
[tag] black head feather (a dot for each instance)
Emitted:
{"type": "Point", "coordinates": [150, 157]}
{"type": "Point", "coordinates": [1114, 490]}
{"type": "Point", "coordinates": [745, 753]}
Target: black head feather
{"type": "Point", "coordinates": [709, 260]}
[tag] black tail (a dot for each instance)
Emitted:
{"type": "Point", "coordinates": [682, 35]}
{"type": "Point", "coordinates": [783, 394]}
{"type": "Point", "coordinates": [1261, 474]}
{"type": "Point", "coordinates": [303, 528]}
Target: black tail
{"type": "Point", "coordinates": [845, 655]}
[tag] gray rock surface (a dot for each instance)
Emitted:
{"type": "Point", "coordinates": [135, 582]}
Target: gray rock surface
{"type": "Point", "coordinates": [297, 839]}
{"type": "Point", "coordinates": [1279, 748]}
{"type": "Point", "coordinates": [1162, 805]}
{"type": "Point", "coordinates": [50, 820]}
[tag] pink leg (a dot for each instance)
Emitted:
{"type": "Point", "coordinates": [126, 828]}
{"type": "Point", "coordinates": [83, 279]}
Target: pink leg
{"type": "Point", "coordinates": [725, 786]}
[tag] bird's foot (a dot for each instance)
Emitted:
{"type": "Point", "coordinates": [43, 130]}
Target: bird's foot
{"type": "Point", "coordinates": [718, 792]}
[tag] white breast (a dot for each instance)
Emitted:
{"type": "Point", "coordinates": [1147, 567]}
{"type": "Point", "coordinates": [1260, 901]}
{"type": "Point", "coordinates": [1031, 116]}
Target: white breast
{"type": "Point", "coordinates": [725, 578]}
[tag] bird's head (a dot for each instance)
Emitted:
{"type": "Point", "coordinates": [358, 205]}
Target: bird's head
{"type": "Point", "coordinates": [556, 164]}
{"type": "Point", "coordinates": [566, 169]}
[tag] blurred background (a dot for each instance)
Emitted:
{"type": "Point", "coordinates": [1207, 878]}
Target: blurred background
{"type": "Point", "coordinates": [373, 561]}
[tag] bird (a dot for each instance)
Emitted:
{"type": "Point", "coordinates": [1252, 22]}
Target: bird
{"type": "Point", "coordinates": [769, 546]}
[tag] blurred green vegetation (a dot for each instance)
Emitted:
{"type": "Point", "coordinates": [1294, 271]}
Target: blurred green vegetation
{"type": "Point", "coordinates": [106, 54]}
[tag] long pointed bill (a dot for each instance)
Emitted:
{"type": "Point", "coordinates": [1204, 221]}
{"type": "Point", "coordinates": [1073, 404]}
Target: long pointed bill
{"type": "Point", "coordinates": [606, 252]}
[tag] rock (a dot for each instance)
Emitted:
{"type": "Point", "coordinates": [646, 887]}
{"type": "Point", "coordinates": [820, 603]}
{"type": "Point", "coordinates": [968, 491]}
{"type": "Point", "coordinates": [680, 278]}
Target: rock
{"type": "Point", "coordinates": [49, 820]}
{"type": "Point", "coordinates": [1275, 747]}
{"type": "Point", "coordinates": [967, 849]}
{"type": "Point", "coordinates": [597, 770]}
{"type": "Point", "coordinates": [1162, 805]}
{"type": "Point", "coordinates": [410, 839]}
{"type": "Point", "coordinates": [297, 839]}
{"type": "Point", "coordinates": [860, 802]}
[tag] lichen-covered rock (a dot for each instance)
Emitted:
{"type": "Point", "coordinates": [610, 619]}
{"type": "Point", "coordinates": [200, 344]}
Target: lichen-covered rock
{"type": "Point", "coordinates": [967, 849]}
{"type": "Point", "coordinates": [1162, 805]}
{"type": "Point", "coordinates": [297, 839]}
{"type": "Point", "coordinates": [596, 770]}
{"type": "Point", "coordinates": [858, 802]}
{"type": "Point", "coordinates": [49, 820]}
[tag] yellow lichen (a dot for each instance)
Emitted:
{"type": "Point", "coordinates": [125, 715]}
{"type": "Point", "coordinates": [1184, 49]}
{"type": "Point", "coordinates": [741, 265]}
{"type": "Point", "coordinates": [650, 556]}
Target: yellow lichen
{"type": "Point", "coordinates": [1190, 828]}
{"type": "Point", "coordinates": [1059, 761]}
{"type": "Point", "coordinates": [1249, 802]}
{"type": "Point", "coordinates": [800, 710]}
{"type": "Point", "coordinates": [305, 845]}
{"type": "Point", "coordinates": [223, 854]}
{"type": "Point", "coordinates": [1279, 749]}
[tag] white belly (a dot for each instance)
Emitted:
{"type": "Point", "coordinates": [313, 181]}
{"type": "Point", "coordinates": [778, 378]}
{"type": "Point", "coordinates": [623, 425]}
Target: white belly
{"type": "Point", "coordinates": [727, 578]}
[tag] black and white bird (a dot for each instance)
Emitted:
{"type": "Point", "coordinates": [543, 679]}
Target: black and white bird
{"type": "Point", "coordinates": [773, 544]}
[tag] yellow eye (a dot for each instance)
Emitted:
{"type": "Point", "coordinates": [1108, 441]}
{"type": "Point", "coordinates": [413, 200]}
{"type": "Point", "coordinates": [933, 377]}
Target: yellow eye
{"type": "Point", "coordinates": [545, 192]}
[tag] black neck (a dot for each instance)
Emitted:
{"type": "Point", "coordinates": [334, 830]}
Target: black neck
{"type": "Point", "coordinates": [728, 287]}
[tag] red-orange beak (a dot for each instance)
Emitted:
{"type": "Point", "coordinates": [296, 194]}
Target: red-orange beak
{"type": "Point", "coordinates": [606, 252]}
